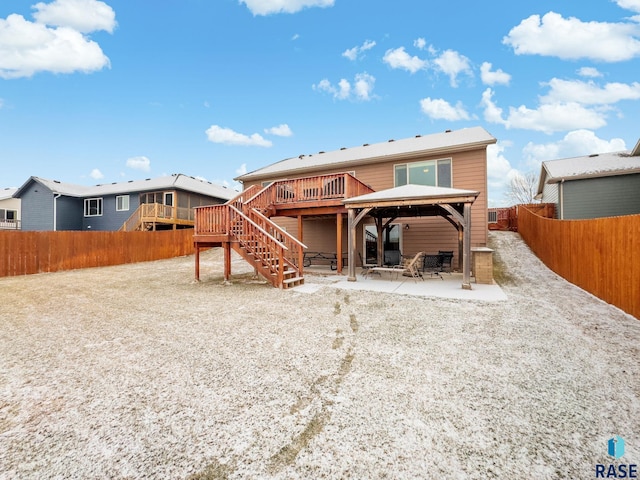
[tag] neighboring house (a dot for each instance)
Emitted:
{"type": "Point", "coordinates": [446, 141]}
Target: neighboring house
{"type": "Point", "coordinates": [154, 203]}
{"type": "Point", "coordinates": [9, 210]}
{"type": "Point", "coordinates": [374, 202]}
{"type": "Point", "coordinates": [594, 186]}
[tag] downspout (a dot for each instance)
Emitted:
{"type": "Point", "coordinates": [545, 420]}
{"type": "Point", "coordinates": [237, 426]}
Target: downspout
{"type": "Point", "coordinates": [56, 196]}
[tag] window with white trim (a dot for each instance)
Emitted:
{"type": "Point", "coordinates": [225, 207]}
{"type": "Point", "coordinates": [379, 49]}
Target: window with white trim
{"type": "Point", "coordinates": [434, 173]}
{"type": "Point", "coordinates": [93, 207]}
{"type": "Point", "coordinates": [493, 216]}
{"type": "Point", "coordinates": [122, 203]}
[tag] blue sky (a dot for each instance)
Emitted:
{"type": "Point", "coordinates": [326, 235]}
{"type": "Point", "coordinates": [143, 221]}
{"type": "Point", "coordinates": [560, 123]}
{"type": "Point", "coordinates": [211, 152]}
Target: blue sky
{"type": "Point", "coordinates": [106, 91]}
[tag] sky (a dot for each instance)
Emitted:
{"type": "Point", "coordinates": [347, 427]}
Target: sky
{"type": "Point", "coordinates": [97, 92]}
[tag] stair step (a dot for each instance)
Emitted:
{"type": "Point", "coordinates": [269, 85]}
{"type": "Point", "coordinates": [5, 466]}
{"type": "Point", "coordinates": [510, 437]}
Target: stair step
{"type": "Point", "coordinates": [293, 282]}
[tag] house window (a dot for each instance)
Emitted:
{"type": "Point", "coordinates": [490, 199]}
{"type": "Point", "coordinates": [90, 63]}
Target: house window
{"type": "Point", "coordinates": [391, 243]}
{"type": "Point", "coordinates": [434, 173]}
{"type": "Point", "coordinates": [8, 215]}
{"type": "Point", "coordinates": [493, 216]}
{"type": "Point", "coordinates": [93, 207]}
{"type": "Point", "coordinates": [122, 203]}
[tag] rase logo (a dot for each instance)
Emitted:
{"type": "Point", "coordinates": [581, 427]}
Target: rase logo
{"type": "Point", "coordinates": [615, 449]}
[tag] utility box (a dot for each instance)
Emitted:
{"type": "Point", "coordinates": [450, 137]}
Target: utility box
{"type": "Point", "coordinates": [482, 265]}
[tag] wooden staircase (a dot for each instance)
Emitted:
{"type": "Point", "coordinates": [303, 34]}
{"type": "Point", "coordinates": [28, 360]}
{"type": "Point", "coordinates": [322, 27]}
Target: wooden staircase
{"type": "Point", "coordinates": [274, 253]}
{"type": "Point", "coordinates": [242, 224]}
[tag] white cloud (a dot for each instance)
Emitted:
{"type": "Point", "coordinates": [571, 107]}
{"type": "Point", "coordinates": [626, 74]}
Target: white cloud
{"type": "Point", "coordinates": [84, 16]}
{"type": "Point", "coordinates": [267, 7]}
{"type": "Point", "coordinates": [633, 5]}
{"type": "Point", "coordinates": [440, 109]}
{"type": "Point", "coordinates": [361, 90]}
{"type": "Point", "coordinates": [363, 86]}
{"type": "Point", "coordinates": [492, 78]}
{"type": "Point", "coordinates": [280, 131]}
{"type": "Point", "coordinates": [572, 39]}
{"type": "Point", "coordinates": [589, 72]}
{"type": "Point", "coordinates": [96, 174]}
{"type": "Point", "coordinates": [574, 144]}
{"type": "Point", "coordinates": [226, 136]}
{"type": "Point", "coordinates": [453, 64]}
{"type": "Point", "coordinates": [242, 169]}
{"type": "Point", "coordinates": [547, 118]}
{"type": "Point", "coordinates": [420, 43]}
{"type": "Point", "coordinates": [588, 93]}
{"type": "Point", "coordinates": [398, 58]}
{"type": "Point", "coordinates": [352, 53]}
{"type": "Point", "coordinates": [499, 169]}
{"type": "Point", "coordinates": [295, 37]}
{"type": "Point", "coordinates": [139, 163]}
{"type": "Point", "coordinates": [27, 48]}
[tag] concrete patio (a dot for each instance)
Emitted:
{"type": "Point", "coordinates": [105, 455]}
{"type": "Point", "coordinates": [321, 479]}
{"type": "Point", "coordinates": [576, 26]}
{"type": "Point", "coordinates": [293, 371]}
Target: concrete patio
{"type": "Point", "coordinates": [387, 282]}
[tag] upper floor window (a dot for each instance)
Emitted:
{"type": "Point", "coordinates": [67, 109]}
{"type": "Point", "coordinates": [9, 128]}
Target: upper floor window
{"type": "Point", "coordinates": [93, 207]}
{"type": "Point", "coordinates": [434, 173]}
{"type": "Point", "coordinates": [8, 215]}
{"type": "Point", "coordinates": [122, 203]}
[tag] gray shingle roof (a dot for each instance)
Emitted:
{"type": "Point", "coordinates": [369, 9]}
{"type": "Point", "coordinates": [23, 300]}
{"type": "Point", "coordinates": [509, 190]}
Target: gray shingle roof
{"type": "Point", "coordinates": [6, 193]}
{"type": "Point", "coordinates": [604, 164]}
{"type": "Point", "coordinates": [176, 181]}
{"type": "Point", "coordinates": [342, 159]}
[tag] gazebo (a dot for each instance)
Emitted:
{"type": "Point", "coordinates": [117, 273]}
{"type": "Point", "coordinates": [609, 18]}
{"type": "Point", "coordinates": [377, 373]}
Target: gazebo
{"type": "Point", "coordinates": [413, 201]}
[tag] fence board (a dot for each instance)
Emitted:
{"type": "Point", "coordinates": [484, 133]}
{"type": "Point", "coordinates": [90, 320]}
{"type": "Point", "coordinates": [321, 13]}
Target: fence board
{"type": "Point", "coordinates": [26, 253]}
{"type": "Point", "coordinates": [598, 255]}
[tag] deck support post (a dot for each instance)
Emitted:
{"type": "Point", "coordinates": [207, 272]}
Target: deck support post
{"type": "Point", "coordinates": [339, 243]}
{"type": "Point", "coordinates": [300, 229]}
{"type": "Point", "coordinates": [227, 261]}
{"type": "Point", "coordinates": [197, 257]}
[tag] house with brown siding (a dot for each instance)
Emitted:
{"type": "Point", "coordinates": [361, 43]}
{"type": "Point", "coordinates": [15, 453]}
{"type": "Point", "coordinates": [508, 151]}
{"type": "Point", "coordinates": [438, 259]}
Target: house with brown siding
{"type": "Point", "coordinates": [451, 159]}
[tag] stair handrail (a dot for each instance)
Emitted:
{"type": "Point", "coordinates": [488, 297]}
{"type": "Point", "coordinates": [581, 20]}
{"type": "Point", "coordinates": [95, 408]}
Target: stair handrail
{"type": "Point", "coordinates": [278, 228]}
{"type": "Point", "coordinates": [262, 230]}
{"type": "Point", "coordinates": [245, 194]}
{"type": "Point", "coordinates": [274, 244]}
{"type": "Point", "coordinates": [133, 220]}
{"type": "Point", "coordinates": [296, 247]}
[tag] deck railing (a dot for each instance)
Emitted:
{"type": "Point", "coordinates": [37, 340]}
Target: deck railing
{"type": "Point", "coordinates": [157, 212]}
{"type": "Point", "coordinates": [308, 189]}
{"type": "Point", "coordinates": [212, 220]}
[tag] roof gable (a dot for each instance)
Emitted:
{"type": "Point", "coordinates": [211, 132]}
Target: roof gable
{"type": "Point", "coordinates": [445, 142]}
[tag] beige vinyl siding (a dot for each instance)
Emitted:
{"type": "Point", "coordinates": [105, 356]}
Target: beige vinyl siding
{"type": "Point", "coordinates": [430, 234]}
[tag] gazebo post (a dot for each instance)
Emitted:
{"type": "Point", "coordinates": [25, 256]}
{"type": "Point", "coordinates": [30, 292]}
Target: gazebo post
{"type": "Point", "coordinates": [466, 255]}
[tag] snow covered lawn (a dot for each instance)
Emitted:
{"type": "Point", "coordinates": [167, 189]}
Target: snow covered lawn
{"type": "Point", "coordinates": [135, 371]}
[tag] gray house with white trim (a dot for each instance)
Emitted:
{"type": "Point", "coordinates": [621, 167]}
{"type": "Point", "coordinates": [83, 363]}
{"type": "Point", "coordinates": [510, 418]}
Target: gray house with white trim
{"type": "Point", "coordinates": [593, 186]}
{"type": "Point", "coordinates": [155, 203]}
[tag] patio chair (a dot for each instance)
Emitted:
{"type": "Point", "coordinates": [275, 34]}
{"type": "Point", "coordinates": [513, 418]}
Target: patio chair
{"type": "Point", "coordinates": [411, 267]}
{"type": "Point", "coordinates": [392, 258]}
{"type": "Point", "coordinates": [432, 264]}
{"type": "Point", "coordinates": [445, 260]}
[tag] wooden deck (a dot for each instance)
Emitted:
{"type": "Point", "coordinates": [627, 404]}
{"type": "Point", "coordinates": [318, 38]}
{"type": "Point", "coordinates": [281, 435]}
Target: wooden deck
{"type": "Point", "coordinates": [242, 224]}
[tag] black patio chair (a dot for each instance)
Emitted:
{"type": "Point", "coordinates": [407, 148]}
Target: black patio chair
{"type": "Point", "coordinates": [446, 256]}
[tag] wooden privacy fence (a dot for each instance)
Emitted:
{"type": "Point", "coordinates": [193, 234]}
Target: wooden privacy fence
{"type": "Point", "coordinates": [599, 255]}
{"type": "Point", "coordinates": [24, 253]}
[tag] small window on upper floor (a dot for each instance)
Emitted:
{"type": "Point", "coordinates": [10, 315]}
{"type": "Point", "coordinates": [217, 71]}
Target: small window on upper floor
{"type": "Point", "coordinates": [435, 173]}
{"type": "Point", "coordinates": [93, 207]}
{"type": "Point", "coordinates": [122, 203]}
